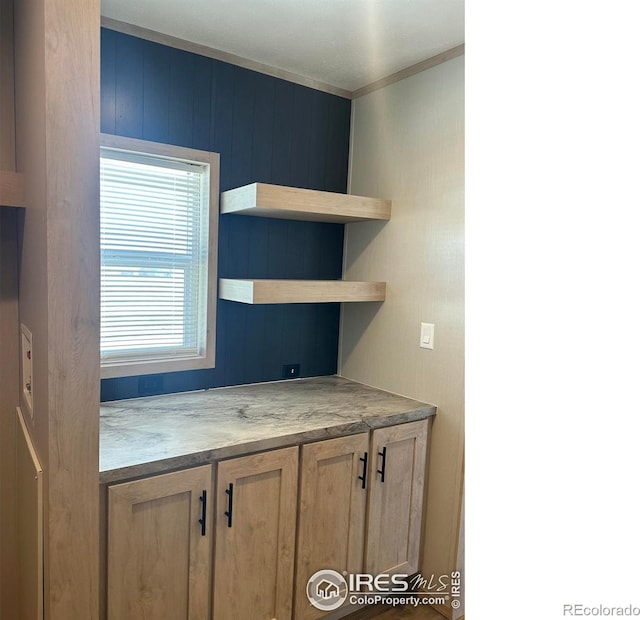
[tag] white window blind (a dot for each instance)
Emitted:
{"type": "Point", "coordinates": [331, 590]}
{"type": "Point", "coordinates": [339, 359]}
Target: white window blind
{"type": "Point", "coordinates": [154, 257]}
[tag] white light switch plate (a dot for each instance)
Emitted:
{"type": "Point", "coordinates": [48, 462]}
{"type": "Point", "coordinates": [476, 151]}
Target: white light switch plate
{"type": "Point", "coordinates": [426, 335]}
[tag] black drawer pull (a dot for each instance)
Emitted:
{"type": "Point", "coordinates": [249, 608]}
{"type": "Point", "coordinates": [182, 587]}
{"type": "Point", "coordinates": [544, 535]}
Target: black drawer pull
{"type": "Point", "coordinates": [364, 460]}
{"type": "Point", "coordinates": [203, 521]}
{"type": "Point", "coordinates": [229, 513]}
{"type": "Point", "coordinates": [383, 454]}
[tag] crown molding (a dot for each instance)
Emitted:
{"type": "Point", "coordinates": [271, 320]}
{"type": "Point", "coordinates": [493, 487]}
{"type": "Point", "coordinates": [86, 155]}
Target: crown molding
{"type": "Point", "coordinates": [210, 52]}
{"type": "Point", "coordinates": [454, 52]}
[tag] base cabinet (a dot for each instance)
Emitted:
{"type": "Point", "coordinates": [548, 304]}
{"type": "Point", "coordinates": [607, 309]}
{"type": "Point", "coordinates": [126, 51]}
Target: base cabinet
{"type": "Point", "coordinates": [351, 504]}
{"type": "Point", "coordinates": [360, 507]}
{"type": "Point", "coordinates": [255, 536]}
{"type": "Point", "coordinates": [331, 515]}
{"type": "Point", "coordinates": [396, 497]}
{"type": "Point", "coordinates": [159, 552]}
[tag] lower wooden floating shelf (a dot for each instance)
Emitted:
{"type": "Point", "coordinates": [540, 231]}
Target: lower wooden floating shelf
{"type": "Point", "coordinates": [300, 291]}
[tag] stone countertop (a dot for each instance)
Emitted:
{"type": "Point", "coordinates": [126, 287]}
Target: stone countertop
{"type": "Point", "coordinates": [160, 433]}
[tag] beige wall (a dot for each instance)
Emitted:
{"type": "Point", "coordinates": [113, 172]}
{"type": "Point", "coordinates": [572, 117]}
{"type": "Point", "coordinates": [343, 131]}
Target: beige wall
{"type": "Point", "coordinates": [408, 145]}
{"type": "Point", "coordinates": [57, 144]}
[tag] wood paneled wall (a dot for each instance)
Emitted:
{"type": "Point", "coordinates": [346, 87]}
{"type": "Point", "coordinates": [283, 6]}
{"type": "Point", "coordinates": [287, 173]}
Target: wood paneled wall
{"type": "Point", "coordinates": [266, 130]}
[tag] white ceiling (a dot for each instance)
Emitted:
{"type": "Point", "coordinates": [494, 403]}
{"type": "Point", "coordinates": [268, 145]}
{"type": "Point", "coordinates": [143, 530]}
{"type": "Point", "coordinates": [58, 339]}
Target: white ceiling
{"type": "Point", "coordinates": [344, 43]}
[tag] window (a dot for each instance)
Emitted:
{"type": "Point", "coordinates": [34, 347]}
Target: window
{"type": "Point", "coordinates": [158, 245]}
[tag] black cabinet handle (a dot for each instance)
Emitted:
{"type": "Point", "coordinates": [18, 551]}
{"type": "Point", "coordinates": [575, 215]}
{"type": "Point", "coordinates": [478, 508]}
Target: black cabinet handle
{"type": "Point", "coordinates": [229, 513]}
{"type": "Point", "coordinates": [364, 460]}
{"type": "Point", "coordinates": [383, 454]}
{"type": "Point", "coordinates": [203, 521]}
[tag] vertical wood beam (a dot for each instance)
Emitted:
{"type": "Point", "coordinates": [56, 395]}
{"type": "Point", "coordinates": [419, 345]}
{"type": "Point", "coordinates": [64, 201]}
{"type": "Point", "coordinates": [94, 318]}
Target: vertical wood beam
{"type": "Point", "coordinates": [72, 29]}
{"type": "Point", "coordinates": [57, 148]}
{"type": "Point", "coordinates": [7, 106]}
{"type": "Point", "coordinates": [9, 385]}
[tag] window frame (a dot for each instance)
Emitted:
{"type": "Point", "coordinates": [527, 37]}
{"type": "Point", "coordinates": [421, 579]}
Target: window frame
{"type": "Point", "coordinates": [146, 367]}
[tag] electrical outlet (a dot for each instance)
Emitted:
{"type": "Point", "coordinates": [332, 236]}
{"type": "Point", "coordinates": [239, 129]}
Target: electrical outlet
{"type": "Point", "coordinates": [290, 371]}
{"type": "Point", "coordinates": [26, 347]}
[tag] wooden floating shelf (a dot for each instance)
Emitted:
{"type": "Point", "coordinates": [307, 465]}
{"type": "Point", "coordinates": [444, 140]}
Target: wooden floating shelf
{"type": "Point", "coordinates": [299, 291]}
{"type": "Point", "coordinates": [291, 203]}
{"type": "Point", "coordinates": [11, 189]}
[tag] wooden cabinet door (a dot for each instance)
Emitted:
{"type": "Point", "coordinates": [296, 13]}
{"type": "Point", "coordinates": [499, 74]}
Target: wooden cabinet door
{"type": "Point", "coordinates": [159, 559]}
{"type": "Point", "coordinates": [395, 498]}
{"type": "Point", "coordinates": [255, 536]}
{"type": "Point", "coordinates": [332, 504]}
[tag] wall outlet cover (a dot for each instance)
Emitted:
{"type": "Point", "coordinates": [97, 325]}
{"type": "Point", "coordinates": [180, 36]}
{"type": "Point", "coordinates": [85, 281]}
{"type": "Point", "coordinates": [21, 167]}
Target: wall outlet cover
{"type": "Point", "coordinates": [26, 367]}
{"type": "Point", "coordinates": [290, 371]}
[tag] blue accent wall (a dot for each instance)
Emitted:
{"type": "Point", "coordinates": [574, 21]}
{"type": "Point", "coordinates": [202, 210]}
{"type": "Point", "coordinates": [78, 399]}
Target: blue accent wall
{"type": "Point", "coordinates": [266, 130]}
